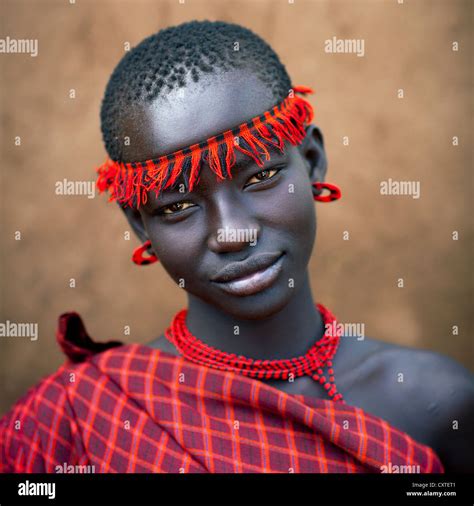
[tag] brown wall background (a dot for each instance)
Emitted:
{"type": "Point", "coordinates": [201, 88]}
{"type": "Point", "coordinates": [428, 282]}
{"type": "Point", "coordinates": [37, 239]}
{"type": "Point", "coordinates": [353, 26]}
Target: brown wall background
{"type": "Point", "coordinates": [407, 46]}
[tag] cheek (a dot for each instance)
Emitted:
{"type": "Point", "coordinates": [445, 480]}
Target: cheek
{"type": "Point", "coordinates": [175, 246]}
{"type": "Point", "coordinates": [293, 209]}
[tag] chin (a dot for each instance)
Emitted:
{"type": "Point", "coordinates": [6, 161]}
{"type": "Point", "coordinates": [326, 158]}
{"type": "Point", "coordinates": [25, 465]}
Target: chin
{"type": "Point", "coordinates": [258, 306]}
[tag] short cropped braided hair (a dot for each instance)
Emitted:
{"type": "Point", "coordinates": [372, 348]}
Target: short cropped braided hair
{"type": "Point", "coordinates": [170, 58]}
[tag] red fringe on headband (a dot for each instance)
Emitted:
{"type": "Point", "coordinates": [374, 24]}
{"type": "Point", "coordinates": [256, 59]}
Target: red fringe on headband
{"type": "Point", "coordinates": [129, 183]}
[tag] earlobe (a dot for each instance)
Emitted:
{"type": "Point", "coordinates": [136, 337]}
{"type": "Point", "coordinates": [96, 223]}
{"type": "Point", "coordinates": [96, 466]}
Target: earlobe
{"type": "Point", "coordinates": [138, 254]}
{"type": "Point", "coordinates": [312, 151]}
{"type": "Point", "coordinates": [135, 220]}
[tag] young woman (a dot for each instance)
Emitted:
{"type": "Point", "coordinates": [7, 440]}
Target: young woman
{"type": "Point", "coordinates": [216, 164]}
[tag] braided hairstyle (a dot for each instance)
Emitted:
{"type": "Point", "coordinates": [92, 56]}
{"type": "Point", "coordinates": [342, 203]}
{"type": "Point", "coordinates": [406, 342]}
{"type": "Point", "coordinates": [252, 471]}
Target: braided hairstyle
{"type": "Point", "coordinates": [172, 57]}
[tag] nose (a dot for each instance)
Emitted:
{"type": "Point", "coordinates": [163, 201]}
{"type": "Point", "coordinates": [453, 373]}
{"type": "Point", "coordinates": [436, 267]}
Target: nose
{"type": "Point", "coordinates": [232, 226]}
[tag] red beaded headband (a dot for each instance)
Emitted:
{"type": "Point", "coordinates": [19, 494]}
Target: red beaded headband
{"type": "Point", "coordinates": [128, 183]}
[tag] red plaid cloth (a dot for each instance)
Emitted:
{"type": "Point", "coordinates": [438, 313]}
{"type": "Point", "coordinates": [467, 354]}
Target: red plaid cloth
{"type": "Point", "coordinates": [135, 409]}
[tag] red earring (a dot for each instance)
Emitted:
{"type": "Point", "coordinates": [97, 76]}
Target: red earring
{"type": "Point", "coordinates": [334, 192]}
{"type": "Point", "coordinates": [138, 257]}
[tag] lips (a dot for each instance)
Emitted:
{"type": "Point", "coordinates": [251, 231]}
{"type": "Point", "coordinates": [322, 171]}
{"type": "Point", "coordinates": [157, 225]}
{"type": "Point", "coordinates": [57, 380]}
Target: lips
{"type": "Point", "coordinates": [252, 276]}
{"type": "Point", "coordinates": [255, 263]}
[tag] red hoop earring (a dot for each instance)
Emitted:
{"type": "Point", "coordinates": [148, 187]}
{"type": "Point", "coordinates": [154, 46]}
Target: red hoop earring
{"type": "Point", "coordinates": [138, 257]}
{"type": "Point", "coordinates": [334, 192]}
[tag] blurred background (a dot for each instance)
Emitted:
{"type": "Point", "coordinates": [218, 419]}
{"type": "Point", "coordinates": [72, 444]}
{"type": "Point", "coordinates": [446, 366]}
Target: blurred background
{"type": "Point", "coordinates": [408, 45]}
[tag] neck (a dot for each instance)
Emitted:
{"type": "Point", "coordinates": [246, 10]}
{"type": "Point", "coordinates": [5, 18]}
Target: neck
{"type": "Point", "coordinates": [289, 333]}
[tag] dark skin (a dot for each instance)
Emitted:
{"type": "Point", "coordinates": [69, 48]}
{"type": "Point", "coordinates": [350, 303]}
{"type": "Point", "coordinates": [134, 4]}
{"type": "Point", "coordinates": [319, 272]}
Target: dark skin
{"type": "Point", "coordinates": [280, 321]}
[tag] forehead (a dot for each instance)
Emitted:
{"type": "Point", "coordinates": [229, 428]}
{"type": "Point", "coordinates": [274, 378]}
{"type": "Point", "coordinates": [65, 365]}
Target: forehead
{"type": "Point", "coordinates": [188, 115]}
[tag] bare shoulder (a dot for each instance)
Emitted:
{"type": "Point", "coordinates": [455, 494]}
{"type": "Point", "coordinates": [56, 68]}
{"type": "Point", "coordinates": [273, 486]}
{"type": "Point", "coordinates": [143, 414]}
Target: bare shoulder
{"type": "Point", "coordinates": [432, 375]}
{"type": "Point", "coordinates": [436, 394]}
{"type": "Point", "coordinates": [409, 362]}
{"type": "Point", "coordinates": [440, 369]}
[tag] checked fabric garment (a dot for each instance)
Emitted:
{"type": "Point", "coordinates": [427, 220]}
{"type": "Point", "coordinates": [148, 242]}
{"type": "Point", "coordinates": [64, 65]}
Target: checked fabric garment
{"type": "Point", "coordinates": [134, 409]}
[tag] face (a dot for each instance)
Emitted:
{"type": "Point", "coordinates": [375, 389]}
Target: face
{"type": "Point", "coordinates": [240, 244]}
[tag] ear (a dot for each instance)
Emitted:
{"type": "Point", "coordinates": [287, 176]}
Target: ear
{"type": "Point", "coordinates": [312, 152]}
{"type": "Point", "coordinates": [135, 220]}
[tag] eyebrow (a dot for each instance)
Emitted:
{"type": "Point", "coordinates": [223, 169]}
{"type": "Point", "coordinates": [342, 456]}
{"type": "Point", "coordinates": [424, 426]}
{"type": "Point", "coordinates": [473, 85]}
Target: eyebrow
{"type": "Point", "coordinates": [240, 166]}
{"type": "Point", "coordinates": [245, 163]}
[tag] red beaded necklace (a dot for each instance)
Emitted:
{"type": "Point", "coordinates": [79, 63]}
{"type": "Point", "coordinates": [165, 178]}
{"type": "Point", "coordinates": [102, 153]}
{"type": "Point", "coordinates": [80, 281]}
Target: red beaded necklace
{"type": "Point", "coordinates": [311, 364]}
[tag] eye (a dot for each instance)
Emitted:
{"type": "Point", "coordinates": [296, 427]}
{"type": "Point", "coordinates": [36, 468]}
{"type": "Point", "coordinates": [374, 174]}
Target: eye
{"type": "Point", "coordinates": [175, 208]}
{"type": "Point", "coordinates": [263, 175]}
